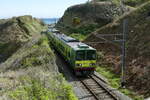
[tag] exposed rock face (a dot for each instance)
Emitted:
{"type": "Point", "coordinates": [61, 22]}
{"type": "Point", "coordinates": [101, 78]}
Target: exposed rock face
{"type": "Point", "coordinates": [15, 31]}
{"type": "Point", "coordinates": [99, 13]}
{"type": "Point", "coordinates": [138, 47]}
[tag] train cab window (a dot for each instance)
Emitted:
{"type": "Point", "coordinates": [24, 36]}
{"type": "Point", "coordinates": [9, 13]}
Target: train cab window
{"type": "Point", "coordinates": [80, 55]}
{"type": "Point", "coordinates": [91, 55]}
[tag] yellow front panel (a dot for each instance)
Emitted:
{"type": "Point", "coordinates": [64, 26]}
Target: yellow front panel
{"type": "Point", "coordinates": [86, 63]}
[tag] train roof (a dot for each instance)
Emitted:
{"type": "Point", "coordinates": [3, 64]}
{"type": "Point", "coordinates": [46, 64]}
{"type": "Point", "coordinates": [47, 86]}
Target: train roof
{"type": "Point", "coordinates": [53, 30]}
{"type": "Point", "coordinates": [75, 44]}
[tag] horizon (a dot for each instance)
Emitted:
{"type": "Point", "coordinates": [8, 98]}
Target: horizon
{"type": "Point", "coordinates": [36, 8]}
{"type": "Point", "coordinates": [32, 16]}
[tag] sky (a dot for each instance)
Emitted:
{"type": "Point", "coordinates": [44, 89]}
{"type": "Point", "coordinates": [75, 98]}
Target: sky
{"type": "Point", "coordinates": [36, 8]}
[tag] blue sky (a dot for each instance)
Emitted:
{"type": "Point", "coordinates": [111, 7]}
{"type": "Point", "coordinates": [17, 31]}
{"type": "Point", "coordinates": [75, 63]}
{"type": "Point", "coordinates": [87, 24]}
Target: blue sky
{"type": "Point", "coordinates": [36, 8]}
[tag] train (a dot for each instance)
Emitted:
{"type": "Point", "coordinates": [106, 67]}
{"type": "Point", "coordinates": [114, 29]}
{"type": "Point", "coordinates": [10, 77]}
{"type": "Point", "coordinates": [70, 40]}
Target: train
{"type": "Point", "coordinates": [80, 56]}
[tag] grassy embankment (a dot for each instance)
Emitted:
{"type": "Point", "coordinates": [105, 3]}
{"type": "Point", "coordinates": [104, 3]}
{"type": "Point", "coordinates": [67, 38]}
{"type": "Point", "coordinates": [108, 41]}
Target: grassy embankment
{"type": "Point", "coordinates": [114, 80]}
{"type": "Point", "coordinates": [31, 74]}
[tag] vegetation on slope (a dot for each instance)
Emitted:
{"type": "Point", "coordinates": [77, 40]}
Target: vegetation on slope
{"type": "Point", "coordinates": [80, 20]}
{"type": "Point", "coordinates": [135, 3]}
{"type": "Point", "coordinates": [29, 71]}
{"type": "Point", "coordinates": [16, 31]}
{"type": "Point", "coordinates": [85, 18]}
{"type": "Point", "coordinates": [132, 3]}
{"type": "Point", "coordinates": [138, 48]}
{"type": "Point", "coordinates": [31, 74]}
{"type": "Point", "coordinates": [115, 81]}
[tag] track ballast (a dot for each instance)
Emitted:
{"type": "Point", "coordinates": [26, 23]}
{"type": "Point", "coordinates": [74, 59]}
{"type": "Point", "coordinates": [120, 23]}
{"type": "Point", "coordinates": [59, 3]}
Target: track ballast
{"type": "Point", "coordinates": [97, 88]}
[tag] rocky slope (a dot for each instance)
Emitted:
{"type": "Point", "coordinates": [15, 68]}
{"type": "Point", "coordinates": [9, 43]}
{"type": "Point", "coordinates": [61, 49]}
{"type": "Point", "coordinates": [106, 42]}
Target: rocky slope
{"type": "Point", "coordinates": [16, 31]}
{"type": "Point", "coordinates": [138, 47]}
{"type": "Point", "coordinates": [85, 18]}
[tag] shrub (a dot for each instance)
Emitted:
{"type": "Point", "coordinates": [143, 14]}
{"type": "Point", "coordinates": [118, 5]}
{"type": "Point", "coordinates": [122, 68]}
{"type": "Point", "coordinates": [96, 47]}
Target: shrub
{"type": "Point", "coordinates": [35, 89]}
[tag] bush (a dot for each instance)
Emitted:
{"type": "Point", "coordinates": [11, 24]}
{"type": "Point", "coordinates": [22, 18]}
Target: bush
{"type": "Point", "coordinates": [78, 36]}
{"type": "Point", "coordinates": [35, 89]}
{"type": "Point", "coordinates": [84, 29]}
{"type": "Point", "coordinates": [76, 21]}
{"type": "Point", "coordinates": [135, 2]}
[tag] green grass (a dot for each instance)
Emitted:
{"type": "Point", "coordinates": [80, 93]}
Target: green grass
{"type": "Point", "coordinates": [114, 1]}
{"type": "Point", "coordinates": [34, 89]}
{"type": "Point", "coordinates": [78, 36]}
{"type": "Point", "coordinates": [114, 81]}
{"type": "Point", "coordinates": [84, 29]}
{"type": "Point", "coordinates": [82, 32]}
{"type": "Point", "coordinates": [135, 2]}
{"type": "Point", "coordinates": [38, 55]}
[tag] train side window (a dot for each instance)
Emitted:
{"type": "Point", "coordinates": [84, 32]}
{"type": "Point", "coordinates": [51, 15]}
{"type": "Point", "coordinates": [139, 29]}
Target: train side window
{"type": "Point", "coordinates": [69, 54]}
{"type": "Point", "coordinates": [61, 47]}
{"type": "Point", "coordinates": [149, 14]}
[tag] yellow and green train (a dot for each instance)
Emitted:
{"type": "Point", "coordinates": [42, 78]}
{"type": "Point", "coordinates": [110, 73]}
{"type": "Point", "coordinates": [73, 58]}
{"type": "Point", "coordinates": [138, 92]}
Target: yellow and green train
{"type": "Point", "coordinates": [81, 57]}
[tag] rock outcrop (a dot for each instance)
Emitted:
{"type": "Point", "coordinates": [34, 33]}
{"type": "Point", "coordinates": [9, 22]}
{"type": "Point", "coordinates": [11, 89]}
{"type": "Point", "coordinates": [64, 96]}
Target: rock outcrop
{"type": "Point", "coordinates": [94, 14]}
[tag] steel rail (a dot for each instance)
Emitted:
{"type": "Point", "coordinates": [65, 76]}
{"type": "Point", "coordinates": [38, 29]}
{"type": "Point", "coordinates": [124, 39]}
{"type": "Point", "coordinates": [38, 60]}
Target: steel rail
{"type": "Point", "coordinates": [104, 87]}
{"type": "Point", "coordinates": [95, 96]}
{"type": "Point", "coordinates": [99, 78]}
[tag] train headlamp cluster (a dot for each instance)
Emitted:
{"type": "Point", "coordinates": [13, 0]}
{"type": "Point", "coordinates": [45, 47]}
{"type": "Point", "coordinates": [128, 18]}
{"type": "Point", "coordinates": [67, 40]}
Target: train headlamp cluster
{"type": "Point", "coordinates": [79, 65]}
{"type": "Point", "coordinates": [92, 64]}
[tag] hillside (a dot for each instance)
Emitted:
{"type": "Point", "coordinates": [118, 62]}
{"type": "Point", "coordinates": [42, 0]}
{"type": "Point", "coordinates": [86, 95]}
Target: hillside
{"type": "Point", "coordinates": [29, 70]}
{"type": "Point", "coordinates": [31, 74]}
{"type": "Point", "coordinates": [16, 31]}
{"type": "Point", "coordinates": [80, 20]}
{"type": "Point", "coordinates": [85, 18]}
{"type": "Point", "coordinates": [138, 47]}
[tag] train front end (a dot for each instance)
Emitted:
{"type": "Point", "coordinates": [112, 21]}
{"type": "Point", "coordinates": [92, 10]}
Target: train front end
{"type": "Point", "coordinates": [85, 62]}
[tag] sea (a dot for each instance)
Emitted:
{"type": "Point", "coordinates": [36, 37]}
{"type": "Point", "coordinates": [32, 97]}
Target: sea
{"type": "Point", "coordinates": [50, 20]}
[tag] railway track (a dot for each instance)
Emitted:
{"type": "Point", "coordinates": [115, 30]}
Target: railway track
{"type": "Point", "coordinates": [97, 88]}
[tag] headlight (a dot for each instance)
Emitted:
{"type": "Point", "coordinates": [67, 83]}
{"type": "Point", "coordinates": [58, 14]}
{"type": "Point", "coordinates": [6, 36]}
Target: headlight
{"type": "Point", "coordinates": [92, 64]}
{"type": "Point", "coordinates": [79, 65]}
